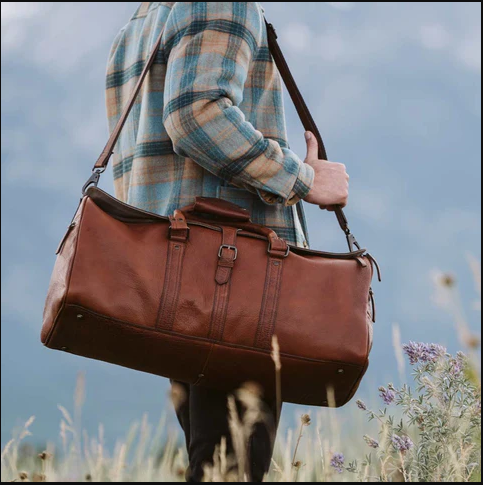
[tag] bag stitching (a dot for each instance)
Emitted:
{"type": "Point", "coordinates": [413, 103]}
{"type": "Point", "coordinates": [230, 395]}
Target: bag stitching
{"type": "Point", "coordinates": [264, 303]}
{"type": "Point", "coordinates": [162, 303]}
{"type": "Point", "coordinates": [170, 298]}
{"type": "Point", "coordinates": [268, 315]}
{"type": "Point", "coordinates": [174, 307]}
{"type": "Point", "coordinates": [225, 311]}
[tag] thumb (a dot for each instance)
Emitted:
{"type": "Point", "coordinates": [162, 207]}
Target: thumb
{"type": "Point", "coordinates": [312, 146]}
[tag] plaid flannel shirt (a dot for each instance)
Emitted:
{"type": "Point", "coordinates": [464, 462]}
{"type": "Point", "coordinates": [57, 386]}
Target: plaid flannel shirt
{"type": "Point", "coordinates": [210, 119]}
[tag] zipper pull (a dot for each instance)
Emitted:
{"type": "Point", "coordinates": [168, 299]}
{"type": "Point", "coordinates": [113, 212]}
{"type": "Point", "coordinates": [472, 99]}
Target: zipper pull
{"type": "Point", "coordinates": [372, 297]}
{"type": "Point", "coordinates": [376, 264]}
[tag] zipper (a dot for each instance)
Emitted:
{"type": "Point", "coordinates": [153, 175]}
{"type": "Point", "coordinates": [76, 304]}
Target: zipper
{"type": "Point", "coordinates": [64, 239]}
{"type": "Point", "coordinates": [372, 297]}
{"type": "Point", "coordinates": [295, 249]}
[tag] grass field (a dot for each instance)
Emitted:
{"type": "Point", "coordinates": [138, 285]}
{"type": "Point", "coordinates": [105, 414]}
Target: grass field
{"type": "Point", "coordinates": [426, 431]}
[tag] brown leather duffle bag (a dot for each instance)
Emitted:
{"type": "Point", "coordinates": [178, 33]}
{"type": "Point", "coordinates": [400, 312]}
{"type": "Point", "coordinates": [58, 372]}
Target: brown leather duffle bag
{"type": "Point", "coordinates": [198, 296]}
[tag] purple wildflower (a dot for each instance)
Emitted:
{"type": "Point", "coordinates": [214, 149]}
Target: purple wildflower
{"type": "Point", "coordinates": [361, 405]}
{"type": "Point", "coordinates": [434, 352]}
{"type": "Point", "coordinates": [425, 353]}
{"type": "Point", "coordinates": [387, 395]}
{"type": "Point", "coordinates": [457, 368]}
{"type": "Point", "coordinates": [337, 462]}
{"type": "Point", "coordinates": [371, 442]}
{"type": "Point", "coordinates": [402, 444]}
{"type": "Point", "coordinates": [413, 351]}
{"type": "Point", "coordinates": [458, 364]}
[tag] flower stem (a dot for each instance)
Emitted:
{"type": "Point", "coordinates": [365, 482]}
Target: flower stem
{"type": "Point", "coordinates": [294, 461]}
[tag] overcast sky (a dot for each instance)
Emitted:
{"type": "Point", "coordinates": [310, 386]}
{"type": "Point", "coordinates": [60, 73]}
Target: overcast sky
{"type": "Point", "coordinates": [396, 90]}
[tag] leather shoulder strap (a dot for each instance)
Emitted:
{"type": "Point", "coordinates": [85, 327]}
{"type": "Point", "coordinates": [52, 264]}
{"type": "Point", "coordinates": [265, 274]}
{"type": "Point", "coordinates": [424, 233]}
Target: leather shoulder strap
{"type": "Point", "coordinates": [297, 98]}
{"type": "Point", "coordinates": [304, 114]}
{"type": "Point", "coordinates": [104, 157]}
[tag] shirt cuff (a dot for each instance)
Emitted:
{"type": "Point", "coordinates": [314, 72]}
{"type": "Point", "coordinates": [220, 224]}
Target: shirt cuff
{"type": "Point", "coordinates": [303, 185]}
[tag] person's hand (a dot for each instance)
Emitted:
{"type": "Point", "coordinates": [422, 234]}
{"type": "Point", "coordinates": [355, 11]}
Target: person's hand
{"type": "Point", "coordinates": [331, 184]}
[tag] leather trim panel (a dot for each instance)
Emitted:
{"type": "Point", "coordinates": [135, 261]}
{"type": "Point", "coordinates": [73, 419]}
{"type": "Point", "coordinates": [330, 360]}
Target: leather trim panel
{"type": "Point", "coordinates": [268, 313]}
{"type": "Point", "coordinates": [172, 284]}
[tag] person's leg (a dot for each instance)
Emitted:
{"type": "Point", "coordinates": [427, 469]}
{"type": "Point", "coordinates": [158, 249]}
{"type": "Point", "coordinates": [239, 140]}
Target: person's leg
{"type": "Point", "coordinates": [262, 442]}
{"type": "Point", "coordinates": [203, 415]}
{"type": "Point", "coordinates": [209, 425]}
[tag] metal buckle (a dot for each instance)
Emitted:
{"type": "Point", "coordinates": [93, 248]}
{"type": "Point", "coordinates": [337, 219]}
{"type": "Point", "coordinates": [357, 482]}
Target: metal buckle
{"type": "Point", "coordinates": [170, 231]}
{"type": "Point", "coordinates": [352, 241]}
{"type": "Point", "coordinates": [227, 246]}
{"type": "Point", "coordinates": [269, 251]}
{"type": "Point", "coordinates": [93, 179]}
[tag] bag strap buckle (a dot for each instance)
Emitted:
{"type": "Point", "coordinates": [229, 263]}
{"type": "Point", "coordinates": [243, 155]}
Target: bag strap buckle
{"type": "Point", "coordinates": [227, 246]}
{"type": "Point", "coordinates": [277, 254]}
{"type": "Point", "coordinates": [93, 179]}
{"type": "Point", "coordinates": [352, 241]}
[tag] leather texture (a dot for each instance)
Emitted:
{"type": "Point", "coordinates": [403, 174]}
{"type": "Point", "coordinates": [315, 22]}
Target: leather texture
{"type": "Point", "coordinates": [200, 300]}
{"type": "Point", "coordinates": [221, 210]}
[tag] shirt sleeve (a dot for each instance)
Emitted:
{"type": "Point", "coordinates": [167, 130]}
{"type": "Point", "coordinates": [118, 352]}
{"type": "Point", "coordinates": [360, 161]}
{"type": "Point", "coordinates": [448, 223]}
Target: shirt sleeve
{"type": "Point", "coordinates": [209, 48]}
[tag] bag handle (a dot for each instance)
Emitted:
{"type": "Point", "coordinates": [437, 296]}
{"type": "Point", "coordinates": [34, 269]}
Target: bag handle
{"type": "Point", "coordinates": [207, 209]}
{"type": "Point", "coordinates": [297, 98]}
{"type": "Point", "coordinates": [218, 208]}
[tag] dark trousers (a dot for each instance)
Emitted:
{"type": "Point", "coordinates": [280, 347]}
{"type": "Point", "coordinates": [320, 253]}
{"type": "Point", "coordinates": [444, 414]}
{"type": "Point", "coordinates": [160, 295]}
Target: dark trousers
{"type": "Point", "coordinates": [203, 415]}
